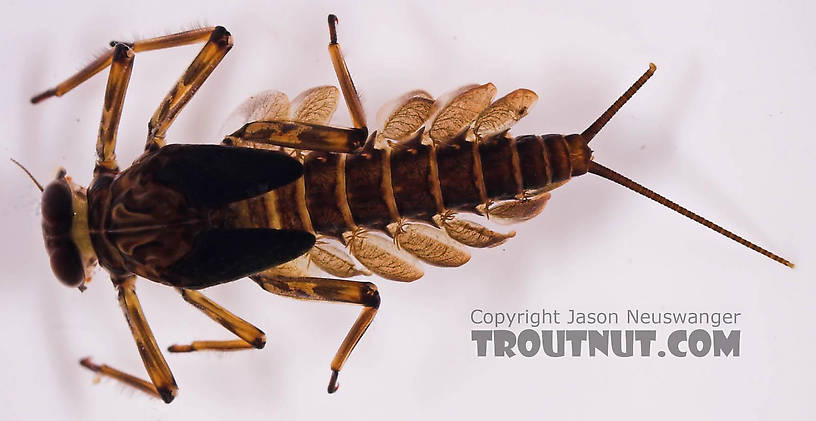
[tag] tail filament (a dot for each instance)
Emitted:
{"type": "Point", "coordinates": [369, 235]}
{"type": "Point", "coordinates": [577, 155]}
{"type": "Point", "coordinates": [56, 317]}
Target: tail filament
{"type": "Point", "coordinates": [611, 175]}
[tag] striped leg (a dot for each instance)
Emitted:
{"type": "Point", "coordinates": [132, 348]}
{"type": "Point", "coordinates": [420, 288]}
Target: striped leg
{"type": "Point", "coordinates": [344, 77]}
{"type": "Point", "coordinates": [334, 290]}
{"type": "Point", "coordinates": [162, 384]}
{"type": "Point", "coordinates": [251, 336]}
{"type": "Point", "coordinates": [218, 43]}
{"type": "Point", "coordinates": [167, 41]}
{"type": "Point", "coordinates": [217, 46]}
{"type": "Point", "coordinates": [121, 68]}
{"type": "Point", "coordinates": [312, 135]}
{"type": "Point", "coordinates": [299, 135]}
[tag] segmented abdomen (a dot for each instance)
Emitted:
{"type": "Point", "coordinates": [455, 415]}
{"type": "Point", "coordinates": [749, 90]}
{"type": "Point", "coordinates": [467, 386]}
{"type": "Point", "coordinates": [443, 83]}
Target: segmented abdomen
{"type": "Point", "coordinates": [403, 188]}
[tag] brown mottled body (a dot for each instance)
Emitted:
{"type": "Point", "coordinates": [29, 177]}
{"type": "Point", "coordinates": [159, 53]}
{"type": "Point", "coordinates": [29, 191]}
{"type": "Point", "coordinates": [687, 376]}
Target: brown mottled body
{"type": "Point", "coordinates": [320, 174]}
{"type": "Point", "coordinates": [464, 169]}
{"type": "Point", "coordinates": [165, 217]}
{"type": "Point", "coordinates": [365, 175]}
{"type": "Point", "coordinates": [411, 181]}
{"type": "Point", "coordinates": [147, 219]}
{"type": "Point", "coordinates": [194, 216]}
{"type": "Point", "coordinates": [154, 224]}
{"type": "Point", "coordinates": [459, 177]}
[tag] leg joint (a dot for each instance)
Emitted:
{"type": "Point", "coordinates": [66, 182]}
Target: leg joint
{"type": "Point", "coordinates": [122, 51]}
{"type": "Point", "coordinates": [370, 295]}
{"type": "Point", "coordinates": [221, 37]}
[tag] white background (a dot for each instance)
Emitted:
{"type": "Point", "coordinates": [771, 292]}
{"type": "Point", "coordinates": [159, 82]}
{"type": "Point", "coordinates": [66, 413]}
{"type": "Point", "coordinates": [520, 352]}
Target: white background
{"type": "Point", "coordinates": [723, 127]}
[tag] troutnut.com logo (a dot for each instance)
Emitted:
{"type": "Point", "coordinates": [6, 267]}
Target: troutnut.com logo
{"type": "Point", "coordinates": [551, 333]}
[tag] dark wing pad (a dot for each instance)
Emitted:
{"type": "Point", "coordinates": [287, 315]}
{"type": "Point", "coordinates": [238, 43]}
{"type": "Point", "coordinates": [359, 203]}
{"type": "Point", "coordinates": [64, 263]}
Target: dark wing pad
{"type": "Point", "coordinates": [213, 175]}
{"type": "Point", "coordinates": [221, 255]}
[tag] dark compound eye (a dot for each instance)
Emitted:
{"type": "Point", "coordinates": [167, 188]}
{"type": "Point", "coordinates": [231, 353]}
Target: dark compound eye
{"type": "Point", "coordinates": [66, 263]}
{"type": "Point", "coordinates": [57, 216]}
{"type": "Point", "coordinates": [57, 208]}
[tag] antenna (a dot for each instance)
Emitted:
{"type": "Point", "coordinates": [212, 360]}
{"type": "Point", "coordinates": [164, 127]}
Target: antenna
{"type": "Point", "coordinates": [611, 175]}
{"type": "Point", "coordinates": [39, 186]}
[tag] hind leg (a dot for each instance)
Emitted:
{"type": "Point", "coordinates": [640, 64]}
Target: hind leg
{"type": "Point", "coordinates": [333, 290]}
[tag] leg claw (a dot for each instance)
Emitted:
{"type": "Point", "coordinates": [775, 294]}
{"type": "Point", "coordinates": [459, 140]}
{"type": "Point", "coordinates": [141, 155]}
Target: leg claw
{"type": "Point", "coordinates": [333, 386]}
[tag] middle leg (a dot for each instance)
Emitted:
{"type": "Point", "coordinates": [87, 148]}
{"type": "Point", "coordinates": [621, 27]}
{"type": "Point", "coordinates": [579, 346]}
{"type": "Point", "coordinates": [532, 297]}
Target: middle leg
{"type": "Point", "coordinates": [309, 136]}
{"type": "Point", "coordinates": [250, 336]}
{"type": "Point", "coordinates": [306, 135]}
